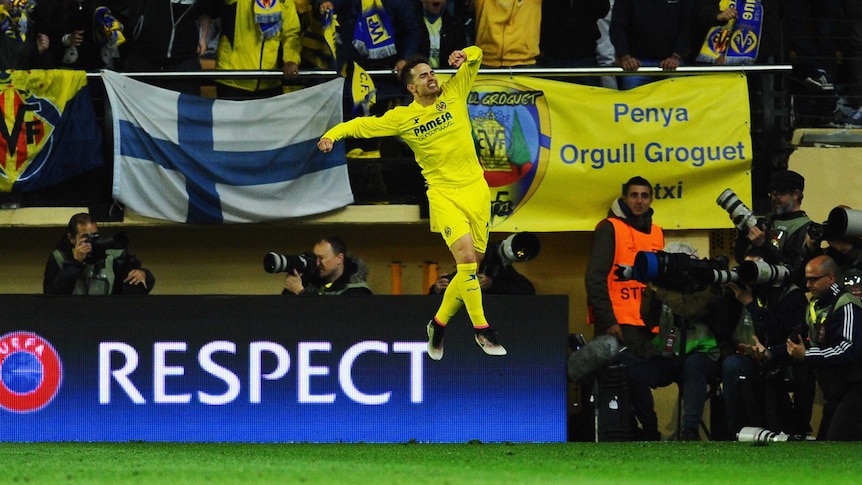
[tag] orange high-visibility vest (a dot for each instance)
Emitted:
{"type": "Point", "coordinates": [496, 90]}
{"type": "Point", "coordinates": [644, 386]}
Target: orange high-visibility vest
{"type": "Point", "coordinates": [626, 295]}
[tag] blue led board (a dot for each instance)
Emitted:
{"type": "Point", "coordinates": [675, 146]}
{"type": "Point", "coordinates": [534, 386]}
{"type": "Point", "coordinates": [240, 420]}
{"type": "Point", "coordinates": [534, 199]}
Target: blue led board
{"type": "Point", "coordinates": [276, 369]}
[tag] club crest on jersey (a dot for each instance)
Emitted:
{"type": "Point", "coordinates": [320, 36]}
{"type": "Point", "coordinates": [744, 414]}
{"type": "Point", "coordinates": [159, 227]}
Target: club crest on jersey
{"type": "Point", "coordinates": [440, 106]}
{"type": "Point", "coordinates": [30, 372]}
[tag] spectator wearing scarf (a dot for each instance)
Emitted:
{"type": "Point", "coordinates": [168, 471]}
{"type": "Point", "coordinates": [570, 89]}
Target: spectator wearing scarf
{"type": "Point", "coordinates": [376, 34]}
{"type": "Point", "coordinates": [253, 34]}
{"type": "Point", "coordinates": [84, 35]}
{"type": "Point", "coordinates": [23, 44]}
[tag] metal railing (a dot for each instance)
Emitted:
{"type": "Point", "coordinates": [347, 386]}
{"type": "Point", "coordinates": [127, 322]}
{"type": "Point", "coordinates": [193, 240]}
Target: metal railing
{"type": "Point", "coordinates": [512, 71]}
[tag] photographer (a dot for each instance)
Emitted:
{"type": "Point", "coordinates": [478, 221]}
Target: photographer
{"type": "Point", "coordinates": [755, 393]}
{"type": "Point", "coordinates": [83, 263]}
{"type": "Point", "coordinates": [833, 350]}
{"type": "Point", "coordinates": [497, 275]}
{"type": "Point", "coordinates": [331, 272]}
{"type": "Point", "coordinates": [679, 315]}
{"type": "Point", "coordinates": [783, 236]}
{"type": "Point", "coordinates": [845, 249]}
{"type": "Point", "coordinates": [506, 280]}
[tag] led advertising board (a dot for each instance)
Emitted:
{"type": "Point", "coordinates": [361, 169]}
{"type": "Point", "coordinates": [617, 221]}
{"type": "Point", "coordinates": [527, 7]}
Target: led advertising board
{"type": "Point", "coordinates": [277, 369]}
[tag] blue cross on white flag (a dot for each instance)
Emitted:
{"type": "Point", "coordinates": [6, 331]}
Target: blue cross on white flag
{"type": "Point", "coordinates": [191, 159]}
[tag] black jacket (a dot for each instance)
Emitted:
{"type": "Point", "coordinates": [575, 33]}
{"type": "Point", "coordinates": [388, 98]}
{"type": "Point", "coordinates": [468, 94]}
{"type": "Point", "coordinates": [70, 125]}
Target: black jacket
{"type": "Point", "coordinates": [452, 36]}
{"type": "Point", "coordinates": [570, 29]}
{"type": "Point", "coordinates": [161, 30]}
{"type": "Point", "coordinates": [650, 29]}
{"type": "Point", "coordinates": [61, 279]}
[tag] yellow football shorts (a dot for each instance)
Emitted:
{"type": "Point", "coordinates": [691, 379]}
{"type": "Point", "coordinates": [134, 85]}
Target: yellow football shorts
{"type": "Point", "coordinates": [462, 210]}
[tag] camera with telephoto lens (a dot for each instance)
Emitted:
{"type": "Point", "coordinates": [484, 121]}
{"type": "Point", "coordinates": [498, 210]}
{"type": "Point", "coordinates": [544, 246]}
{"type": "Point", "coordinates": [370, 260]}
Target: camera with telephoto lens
{"type": "Point", "coordinates": [679, 271]}
{"type": "Point", "coordinates": [843, 223]}
{"type": "Point", "coordinates": [762, 273]}
{"type": "Point", "coordinates": [740, 214]}
{"type": "Point", "coordinates": [283, 263]}
{"type": "Point", "coordinates": [817, 231]}
{"type": "Point", "coordinates": [517, 248]}
{"type": "Point", "coordinates": [763, 436]}
{"type": "Point", "coordinates": [99, 245]}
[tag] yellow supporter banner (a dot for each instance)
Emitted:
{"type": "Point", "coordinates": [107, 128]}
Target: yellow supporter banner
{"type": "Point", "coordinates": [556, 154]}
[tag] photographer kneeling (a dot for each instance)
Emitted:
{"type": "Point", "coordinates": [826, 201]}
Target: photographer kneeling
{"type": "Point", "coordinates": [690, 314]}
{"type": "Point", "coordinates": [328, 270]}
{"type": "Point", "coordinates": [84, 263]}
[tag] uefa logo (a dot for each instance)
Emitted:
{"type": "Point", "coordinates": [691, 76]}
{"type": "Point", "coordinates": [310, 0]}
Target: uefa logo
{"type": "Point", "coordinates": [30, 372]}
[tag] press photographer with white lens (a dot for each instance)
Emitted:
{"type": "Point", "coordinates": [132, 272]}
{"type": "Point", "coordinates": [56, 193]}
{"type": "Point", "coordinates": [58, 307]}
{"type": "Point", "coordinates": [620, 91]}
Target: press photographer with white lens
{"type": "Point", "coordinates": [782, 235]}
{"type": "Point", "coordinates": [756, 393]}
{"type": "Point", "coordinates": [841, 232]}
{"type": "Point", "coordinates": [85, 262]}
{"type": "Point", "coordinates": [328, 270]}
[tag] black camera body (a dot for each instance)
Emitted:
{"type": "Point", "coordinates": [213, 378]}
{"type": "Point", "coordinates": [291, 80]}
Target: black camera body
{"type": "Point", "coordinates": [283, 263]}
{"type": "Point", "coordinates": [800, 332]}
{"type": "Point", "coordinates": [817, 231]}
{"type": "Point", "coordinates": [99, 245]}
{"type": "Point", "coordinates": [843, 223]}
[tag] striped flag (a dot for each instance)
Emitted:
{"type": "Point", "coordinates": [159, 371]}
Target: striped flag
{"type": "Point", "coordinates": [191, 159]}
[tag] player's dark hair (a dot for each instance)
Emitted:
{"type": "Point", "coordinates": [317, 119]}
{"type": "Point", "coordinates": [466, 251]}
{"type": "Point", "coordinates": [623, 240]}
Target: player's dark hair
{"type": "Point", "coordinates": [412, 61]}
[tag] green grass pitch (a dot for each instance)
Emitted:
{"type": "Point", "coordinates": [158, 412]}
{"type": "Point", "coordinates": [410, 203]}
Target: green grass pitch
{"type": "Point", "coordinates": [420, 463]}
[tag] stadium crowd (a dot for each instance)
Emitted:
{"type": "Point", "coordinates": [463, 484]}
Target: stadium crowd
{"type": "Point", "coordinates": [822, 40]}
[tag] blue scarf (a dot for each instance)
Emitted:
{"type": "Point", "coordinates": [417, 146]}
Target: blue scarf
{"type": "Point", "coordinates": [14, 18]}
{"type": "Point", "coordinates": [106, 30]}
{"type": "Point", "coordinates": [737, 42]}
{"type": "Point", "coordinates": [267, 15]}
{"type": "Point", "coordinates": [373, 37]}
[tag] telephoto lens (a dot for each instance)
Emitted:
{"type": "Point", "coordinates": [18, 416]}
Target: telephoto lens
{"type": "Point", "coordinates": [760, 435]}
{"type": "Point", "coordinates": [740, 214]}
{"type": "Point", "coordinates": [761, 272]}
{"type": "Point", "coordinates": [282, 263]}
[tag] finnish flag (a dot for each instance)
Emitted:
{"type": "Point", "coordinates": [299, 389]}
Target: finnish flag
{"type": "Point", "coordinates": [197, 160]}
